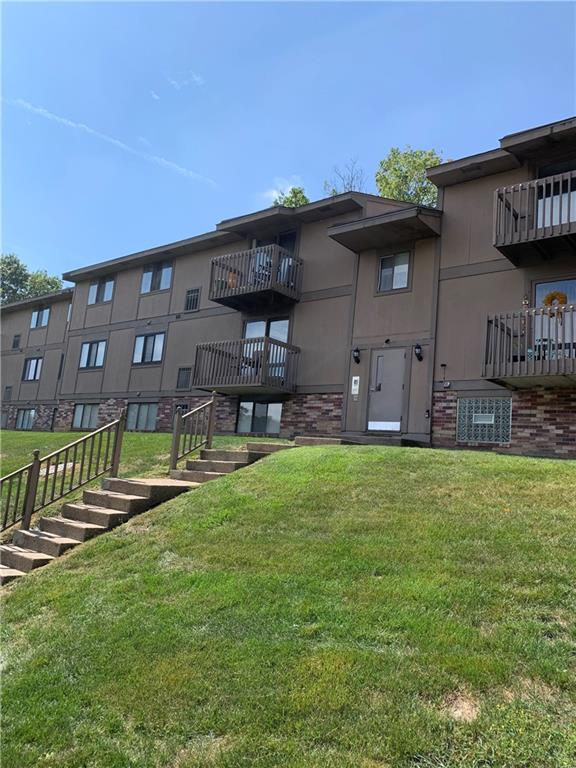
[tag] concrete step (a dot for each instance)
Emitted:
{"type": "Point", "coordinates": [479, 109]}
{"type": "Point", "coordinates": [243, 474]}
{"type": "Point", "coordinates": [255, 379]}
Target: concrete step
{"type": "Point", "coordinates": [317, 441]}
{"type": "Point", "coordinates": [22, 559]}
{"type": "Point", "coordinates": [212, 454]}
{"type": "Point", "coordinates": [42, 541]}
{"type": "Point", "coordinates": [9, 574]}
{"type": "Point", "coordinates": [268, 447]}
{"type": "Point", "coordinates": [71, 529]}
{"type": "Point", "coordinates": [157, 489]}
{"type": "Point", "coordinates": [86, 513]}
{"type": "Point", "coordinates": [207, 465]}
{"type": "Point", "coordinates": [125, 502]}
{"type": "Point", "coordinates": [194, 475]}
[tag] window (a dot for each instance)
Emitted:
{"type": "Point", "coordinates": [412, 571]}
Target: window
{"type": "Point", "coordinates": [275, 329]}
{"type": "Point", "coordinates": [61, 366]}
{"type": "Point", "coordinates": [141, 417]}
{"type": "Point", "coordinates": [393, 272]}
{"type": "Point", "coordinates": [156, 277]}
{"type": "Point", "coordinates": [32, 368]}
{"type": "Point", "coordinates": [192, 300]}
{"type": "Point", "coordinates": [148, 348]}
{"type": "Point", "coordinates": [261, 418]}
{"type": "Point", "coordinates": [484, 420]}
{"type": "Point", "coordinates": [85, 416]}
{"type": "Point", "coordinates": [40, 317]}
{"type": "Point", "coordinates": [4, 420]}
{"type": "Point", "coordinates": [184, 376]}
{"type": "Point", "coordinates": [566, 287]}
{"type": "Point", "coordinates": [25, 418]}
{"type": "Point", "coordinates": [101, 290]}
{"type": "Point", "coordinates": [16, 341]}
{"type": "Point", "coordinates": [7, 393]}
{"type": "Point", "coordinates": [92, 354]}
{"type": "Point", "coordinates": [69, 312]}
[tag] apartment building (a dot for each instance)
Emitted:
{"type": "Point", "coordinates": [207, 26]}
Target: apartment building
{"type": "Point", "coordinates": [355, 315]}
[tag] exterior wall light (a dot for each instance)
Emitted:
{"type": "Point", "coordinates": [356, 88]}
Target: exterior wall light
{"type": "Point", "coordinates": [356, 355]}
{"type": "Point", "coordinates": [418, 353]}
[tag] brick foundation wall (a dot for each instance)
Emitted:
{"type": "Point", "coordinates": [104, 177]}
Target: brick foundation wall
{"type": "Point", "coordinates": [313, 414]}
{"type": "Point", "coordinates": [543, 423]}
{"type": "Point", "coordinates": [44, 415]}
{"type": "Point", "coordinates": [316, 414]}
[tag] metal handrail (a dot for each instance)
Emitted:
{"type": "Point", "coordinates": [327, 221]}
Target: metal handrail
{"type": "Point", "coordinates": [192, 430]}
{"type": "Point", "coordinates": [45, 480]}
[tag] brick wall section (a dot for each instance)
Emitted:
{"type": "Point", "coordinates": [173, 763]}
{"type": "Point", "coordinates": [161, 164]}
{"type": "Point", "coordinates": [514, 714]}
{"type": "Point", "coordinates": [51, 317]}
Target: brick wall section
{"type": "Point", "coordinates": [44, 415]}
{"type": "Point", "coordinates": [543, 423]}
{"type": "Point", "coordinates": [316, 414]}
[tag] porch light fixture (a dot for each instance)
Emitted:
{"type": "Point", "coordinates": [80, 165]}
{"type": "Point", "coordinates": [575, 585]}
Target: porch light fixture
{"type": "Point", "coordinates": [356, 355]}
{"type": "Point", "coordinates": [418, 353]}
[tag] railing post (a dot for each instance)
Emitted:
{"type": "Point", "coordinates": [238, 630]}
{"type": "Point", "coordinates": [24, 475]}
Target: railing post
{"type": "Point", "coordinates": [118, 437]}
{"type": "Point", "coordinates": [31, 488]}
{"type": "Point", "coordinates": [211, 421]}
{"type": "Point", "coordinates": [176, 433]}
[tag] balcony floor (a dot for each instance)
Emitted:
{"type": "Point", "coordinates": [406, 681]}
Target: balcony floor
{"type": "Point", "coordinates": [550, 381]}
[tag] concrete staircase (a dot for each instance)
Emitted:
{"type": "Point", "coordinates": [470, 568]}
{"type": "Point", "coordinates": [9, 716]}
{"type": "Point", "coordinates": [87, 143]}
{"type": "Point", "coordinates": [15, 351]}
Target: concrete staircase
{"type": "Point", "coordinates": [117, 501]}
{"type": "Point", "coordinates": [213, 463]}
{"type": "Point", "coordinates": [98, 512]}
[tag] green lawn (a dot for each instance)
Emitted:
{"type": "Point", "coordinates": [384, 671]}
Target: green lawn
{"type": "Point", "coordinates": [143, 455]}
{"type": "Point", "coordinates": [342, 607]}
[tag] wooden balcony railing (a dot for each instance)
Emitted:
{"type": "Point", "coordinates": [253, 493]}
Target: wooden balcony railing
{"type": "Point", "coordinates": [246, 364]}
{"type": "Point", "coordinates": [535, 210]}
{"type": "Point", "coordinates": [44, 481]}
{"type": "Point", "coordinates": [268, 268]}
{"type": "Point", "coordinates": [531, 343]}
{"type": "Point", "coordinates": [192, 430]}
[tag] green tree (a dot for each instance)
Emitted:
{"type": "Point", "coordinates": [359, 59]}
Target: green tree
{"type": "Point", "coordinates": [402, 175]}
{"type": "Point", "coordinates": [17, 282]}
{"type": "Point", "coordinates": [292, 198]}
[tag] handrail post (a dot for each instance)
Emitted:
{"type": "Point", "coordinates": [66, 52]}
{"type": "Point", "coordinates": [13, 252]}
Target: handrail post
{"type": "Point", "coordinates": [176, 433]}
{"type": "Point", "coordinates": [31, 488]}
{"type": "Point", "coordinates": [211, 421]}
{"type": "Point", "coordinates": [118, 437]}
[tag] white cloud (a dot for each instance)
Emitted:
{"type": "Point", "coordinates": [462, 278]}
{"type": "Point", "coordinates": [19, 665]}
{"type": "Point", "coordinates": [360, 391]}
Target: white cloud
{"type": "Point", "coordinates": [191, 78]}
{"type": "Point", "coordinates": [154, 95]}
{"type": "Point", "coordinates": [144, 141]}
{"type": "Point", "coordinates": [161, 161]}
{"type": "Point", "coordinates": [280, 185]}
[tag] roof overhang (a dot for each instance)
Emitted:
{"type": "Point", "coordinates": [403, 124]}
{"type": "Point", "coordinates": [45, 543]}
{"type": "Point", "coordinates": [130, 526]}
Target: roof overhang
{"type": "Point", "coordinates": [47, 299]}
{"type": "Point", "coordinates": [546, 143]}
{"type": "Point", "coordinates": [191, 245]}
{"type": "Point", "coordinates": [389, 229]}
{"type": "Point", "coordinates": [473, 167]}
{"type": "Point", "coordinates": [278, 217]}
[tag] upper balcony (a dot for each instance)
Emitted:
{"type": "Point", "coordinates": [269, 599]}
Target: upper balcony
{"type": "Point", "coordinates": [257, 278]}
{"type": "Point", "coordinates": [532, 347]}
{"type": "Point", "coordinates": [260, 366]}
{"type": "Point", "coordinates": [536, 217]}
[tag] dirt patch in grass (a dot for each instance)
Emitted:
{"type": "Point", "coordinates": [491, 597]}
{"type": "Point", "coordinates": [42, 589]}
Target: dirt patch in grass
{"type": "Point", "coordinates": [206, 747]}
{"type": "Point", "coordinates": [461, 706]}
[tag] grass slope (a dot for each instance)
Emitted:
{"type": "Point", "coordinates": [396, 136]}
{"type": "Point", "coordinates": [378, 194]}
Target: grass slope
{"type": "Point", "coordinates": [337, 606]}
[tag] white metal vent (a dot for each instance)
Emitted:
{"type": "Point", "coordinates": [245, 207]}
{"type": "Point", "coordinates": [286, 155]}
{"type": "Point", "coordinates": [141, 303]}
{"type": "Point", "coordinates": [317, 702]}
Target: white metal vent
{"type": "Point", "coordinates": [484, 419]}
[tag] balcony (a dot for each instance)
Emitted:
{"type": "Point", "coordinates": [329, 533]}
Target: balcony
{"type": "Point", "coordinates": [256, 279]}
{"type": "Point", "coordinates": [259, 366]}
{"type": "Point", "coordinates": [532, 347]}
{"type": "Point", "coordinates": [536, 218]}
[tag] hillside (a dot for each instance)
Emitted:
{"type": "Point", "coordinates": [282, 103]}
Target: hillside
{"type": "Point", "coordinates": [335, 606]}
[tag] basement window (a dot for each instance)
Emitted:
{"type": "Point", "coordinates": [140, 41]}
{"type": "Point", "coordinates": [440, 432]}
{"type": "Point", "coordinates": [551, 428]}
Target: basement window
{"type": "Point", "coordinates": [259, 418]}
{"type": "Point", "coordinates": [85, 416]}
{"type": "Point", "coordinates": [25, 418]}
{"type": "Point", "coordinates": [141, 417]}
{"type": "Point", "coordinates": [484, 420]}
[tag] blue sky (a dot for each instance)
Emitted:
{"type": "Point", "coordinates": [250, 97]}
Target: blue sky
{"type": "Point", "coordinates": [129, 125]}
